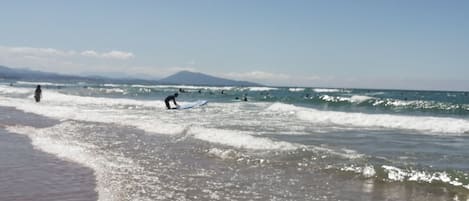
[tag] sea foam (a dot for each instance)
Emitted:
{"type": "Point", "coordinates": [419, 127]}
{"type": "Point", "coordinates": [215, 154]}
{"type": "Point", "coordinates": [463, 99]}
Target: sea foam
{"type": "Point", "coordinates": [425, 124]}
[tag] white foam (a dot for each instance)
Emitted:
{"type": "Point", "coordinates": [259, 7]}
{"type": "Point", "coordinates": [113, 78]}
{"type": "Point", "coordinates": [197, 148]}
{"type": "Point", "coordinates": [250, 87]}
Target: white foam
{"type": "Point", "coordinates": [398, 174]}
{"type": "Point", "coordinates": [112, 90]}
{"type": "Point", "coordinates": [146, 115]}
{"type": "Point", "coordinates": [359, 99]}
{"type": "Point", "coordinates": [367, 171]}
{"type": "Point", "coordinates": [323, 90]}
{"type": "Point", "coordinates": [352, 99]}
{"type": "Point", "coordinates": [96, 109]}
{"type": "Point", "coordinates": [114, 85]}
{"type": "Point", "coordinates": [240, 139]}
{"type": "Point", "coordinates": [15, 90]}
{"type": "Point", "coordinates": [43, 83]}
{"type": "Point", "coordinates": [260, 88]}
{"type": "Point", "coordinates": [108, 190]}
{"type": "Point", "coordinates": [296, 89]}
{"type": "Point", "coordinates": [54, 98]}
{"type": "Point", "coordinates": [224, 153]}
{"type": "Point", "coordinates": [433, 125]}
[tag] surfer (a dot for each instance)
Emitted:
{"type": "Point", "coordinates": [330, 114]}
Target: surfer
{"type": "Point", "coordinates": [171, 98]}
{"type": "Point", "coordinates": [38, 93]}
{"type": "Point", "coordinates": [245, 97]}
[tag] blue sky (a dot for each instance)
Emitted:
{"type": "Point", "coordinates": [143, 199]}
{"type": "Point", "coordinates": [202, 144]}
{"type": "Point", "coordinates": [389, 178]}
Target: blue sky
{"type": "Point", "coordinates": [371, 44]}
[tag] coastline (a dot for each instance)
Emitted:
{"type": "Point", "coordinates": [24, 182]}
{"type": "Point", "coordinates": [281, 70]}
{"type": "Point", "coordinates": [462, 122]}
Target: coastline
{"type": "Point", "coordinates": [27, 173]}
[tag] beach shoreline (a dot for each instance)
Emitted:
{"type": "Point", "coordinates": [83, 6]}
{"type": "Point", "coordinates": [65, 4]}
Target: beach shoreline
{"type": "Point", "coordinates": [27, 173]}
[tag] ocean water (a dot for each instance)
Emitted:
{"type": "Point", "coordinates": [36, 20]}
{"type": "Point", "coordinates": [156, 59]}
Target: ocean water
{"type": "Point", "coordinates": [281, 144]}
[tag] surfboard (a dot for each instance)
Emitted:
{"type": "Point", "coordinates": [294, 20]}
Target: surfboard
{"type": "Point", "coordinates": [192, 104]}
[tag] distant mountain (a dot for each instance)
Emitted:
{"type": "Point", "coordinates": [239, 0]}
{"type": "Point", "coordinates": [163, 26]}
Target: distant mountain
{"type": "Point", "coordinates": [14, 73]}
{"type": "Point", "coordinates": [26, 74]}
{"type": "Point", "coordinates": [183, 77]}
{"type": "Point", "coordinates": [193, 78]}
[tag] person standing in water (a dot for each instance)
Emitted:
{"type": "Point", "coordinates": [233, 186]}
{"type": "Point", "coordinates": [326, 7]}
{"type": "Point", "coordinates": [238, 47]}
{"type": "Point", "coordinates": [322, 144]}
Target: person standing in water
{"type": "Point", "coordinates": [171, 98]}
{"type": "Point", "coordinates": [38, 93]}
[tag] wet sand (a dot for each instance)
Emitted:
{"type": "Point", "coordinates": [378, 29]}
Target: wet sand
{"type": "Point", "coordinates": [27, 173]}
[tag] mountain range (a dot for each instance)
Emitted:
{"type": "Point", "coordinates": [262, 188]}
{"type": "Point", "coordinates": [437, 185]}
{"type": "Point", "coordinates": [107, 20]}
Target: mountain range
{"type": "Point", "coordinates": [193, 78]}
{"type": "Point", "coordinates": [182, 77]}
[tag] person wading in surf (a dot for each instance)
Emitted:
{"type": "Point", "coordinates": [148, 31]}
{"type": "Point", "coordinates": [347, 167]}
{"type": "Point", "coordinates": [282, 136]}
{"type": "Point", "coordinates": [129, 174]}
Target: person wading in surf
{"type": "Point", "coordinates": [171, 98]}
{"type": "Point", "coordinates": [38, 93]}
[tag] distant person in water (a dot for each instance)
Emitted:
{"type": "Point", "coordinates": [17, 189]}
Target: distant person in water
{"type": "Point", "coordinates": [171, 98]}
{"type": "Point", "coordinates": [38, 93]}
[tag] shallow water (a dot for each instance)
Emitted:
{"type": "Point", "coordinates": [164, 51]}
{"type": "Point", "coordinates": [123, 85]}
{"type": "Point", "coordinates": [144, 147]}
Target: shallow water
{"type": "Point", "coordinates": [283, 144]}
{"type": "Point", "coordinates": [30, 174]}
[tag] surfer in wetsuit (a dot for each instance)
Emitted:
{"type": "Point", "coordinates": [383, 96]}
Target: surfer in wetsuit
{"type": "Point", "coordinates": [171, 98]}
{"type": "Point", "coordinates": [38, 93]}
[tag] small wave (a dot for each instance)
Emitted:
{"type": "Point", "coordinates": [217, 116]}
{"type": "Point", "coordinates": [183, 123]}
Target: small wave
{"type": "Point", "coordinates": [398, 174]}
{"type": "Point", "coordinates": [367, 171]}
{"type": "Point", "coordinates": [391, 173]}
{"type": "Point", "coordinates": [324, 90]}
{"type": "Point", "coordinates": [296, 89]}
{"type": "Point", "coordinates": [361, 120]}
{"type": "Point", "coordinates": [239, 139]}
{"type": "Point", "coordinates": [108, 186]}
{"type": "Point", "coordinates": [43, 83]}
{"type": "Point", "coordinates": [396, 104]}
{"type": "Point", "coordinates": [112, 85]}
{"type": "Point", "coordinates": [112, 90]}
{"type": "Point", "coordinates": [352, 99]}
{"type": "Point", "coordinates": [15, 90]}
{"type": "Point", "coordinates": [259, 88]}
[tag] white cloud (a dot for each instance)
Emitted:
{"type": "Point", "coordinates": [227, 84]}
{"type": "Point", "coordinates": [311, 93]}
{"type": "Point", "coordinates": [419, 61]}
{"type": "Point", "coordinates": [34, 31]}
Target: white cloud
{"type": "Point", "coordinates": [89, 53]}
{"type": "Point", "coordinates": [275, 78]}
{"type": "Point", "coordinates": [31, 51]}
{"type": "Point", "coordinates": [114, 54]}
{"type": "Point", "coordinates": [258, 75]}
{"type": "Point", "coordinates": [154, 71]}
{"type": "Point", "coordinates": [65, 61]}
{"type": "Point", "coordinates": [38, 52]}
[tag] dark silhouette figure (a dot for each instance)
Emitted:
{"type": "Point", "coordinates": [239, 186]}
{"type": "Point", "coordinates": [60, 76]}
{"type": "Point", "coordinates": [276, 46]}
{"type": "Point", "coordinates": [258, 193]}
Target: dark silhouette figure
{"type": "Point", "coordinates": [38, 93]}
{"type": "Point", "coordinates": [222, 91]}
{"type": "Point", "coordinates": [171, 98]}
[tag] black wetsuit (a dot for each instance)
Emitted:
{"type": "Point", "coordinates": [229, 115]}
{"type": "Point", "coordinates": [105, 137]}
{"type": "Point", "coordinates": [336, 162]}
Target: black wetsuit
{"type": "Point", "coordinates": [38, 94]}
{"type": "Point", "coordinates": [169, 98]}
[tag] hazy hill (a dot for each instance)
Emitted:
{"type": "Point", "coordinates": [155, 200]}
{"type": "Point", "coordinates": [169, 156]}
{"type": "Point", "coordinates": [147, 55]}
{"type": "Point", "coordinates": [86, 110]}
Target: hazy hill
{"type": "Point", "coordinates": [15, 73]}
{"type": "Point", "coordinates": [193, 78]}
{"type": "Point", "coordinates": [183, 77]}
{"type": "Point", "coordinates": [26, 74]}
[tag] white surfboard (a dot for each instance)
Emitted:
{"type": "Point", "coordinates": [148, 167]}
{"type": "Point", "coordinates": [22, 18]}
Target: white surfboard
{"type": "Point", "coordinates": [192, 104]}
